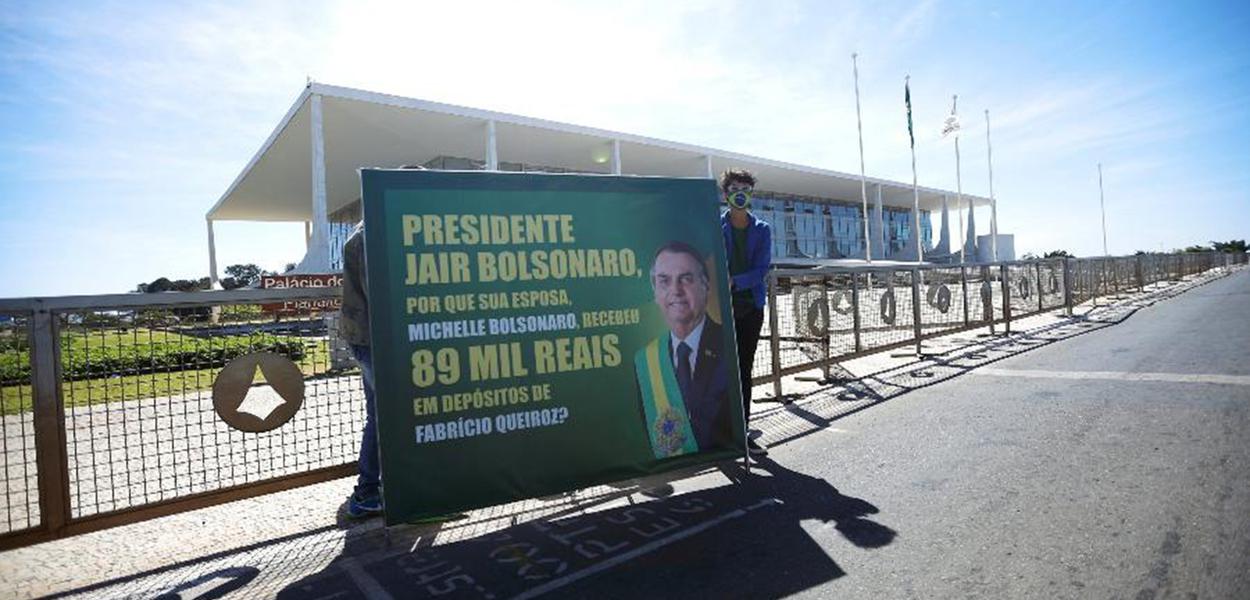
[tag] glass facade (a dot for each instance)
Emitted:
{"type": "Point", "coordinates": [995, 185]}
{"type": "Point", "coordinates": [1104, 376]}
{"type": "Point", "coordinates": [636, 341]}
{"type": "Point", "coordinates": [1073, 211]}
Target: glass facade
{"type": "Point", "coordinates": [806, 227]}
{"type": "Point", "coordinates": [803, 226]}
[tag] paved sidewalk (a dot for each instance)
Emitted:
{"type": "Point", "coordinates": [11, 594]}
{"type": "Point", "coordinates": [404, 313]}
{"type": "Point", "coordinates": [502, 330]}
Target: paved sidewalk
{"type": "Point", "coordinates": [297, 544]}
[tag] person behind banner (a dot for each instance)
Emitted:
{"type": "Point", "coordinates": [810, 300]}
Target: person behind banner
{"type": "Point", "coordinates": [682, 379]}
{"type": "Point", "coordinates": [366, 498]}
{"type": "Point", "coordinates": [748, 245]}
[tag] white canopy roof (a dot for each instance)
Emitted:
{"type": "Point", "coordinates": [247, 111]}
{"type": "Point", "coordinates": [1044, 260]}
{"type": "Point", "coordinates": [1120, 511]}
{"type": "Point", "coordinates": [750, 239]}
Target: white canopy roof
{"type": "Point", "coordinates": [368, 129]}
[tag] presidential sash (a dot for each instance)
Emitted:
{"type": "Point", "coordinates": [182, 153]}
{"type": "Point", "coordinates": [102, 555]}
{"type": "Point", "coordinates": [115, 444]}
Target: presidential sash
{"type": "Point", "coordinates": [668, 423]}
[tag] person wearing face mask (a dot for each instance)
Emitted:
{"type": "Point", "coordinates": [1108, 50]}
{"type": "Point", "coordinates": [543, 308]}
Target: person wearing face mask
{"type": "Point", "coordinates": [748, 244]}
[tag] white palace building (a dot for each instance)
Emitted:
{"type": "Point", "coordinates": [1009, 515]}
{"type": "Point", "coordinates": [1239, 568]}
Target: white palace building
{"type": "Point", "coordinates": [307, 172]}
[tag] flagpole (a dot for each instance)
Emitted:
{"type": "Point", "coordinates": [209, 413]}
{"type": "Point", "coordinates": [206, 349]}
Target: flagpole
{"type": "Point", "coordinates": [989, 155]}
{"type": "Point", "coordinates": [915, 185]}
{"type": "Point", "coordinates": [863, 178]}
{"type": "Point", "coordinates": [959, 187]}
{"type": "Point", "coordinates": [1102, 204]}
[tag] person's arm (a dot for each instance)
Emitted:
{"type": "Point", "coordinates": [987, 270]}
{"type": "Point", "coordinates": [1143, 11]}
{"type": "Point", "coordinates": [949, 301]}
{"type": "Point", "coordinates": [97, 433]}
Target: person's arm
{"type": "Point", "coordinates": [760, 261]}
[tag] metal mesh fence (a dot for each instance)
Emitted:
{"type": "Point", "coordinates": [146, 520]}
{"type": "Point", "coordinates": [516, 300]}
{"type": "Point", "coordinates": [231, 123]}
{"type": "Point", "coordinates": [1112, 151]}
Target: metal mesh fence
{"type": "Point", "coordinates": [885, 307]}
{"type": "Point", "coordinates": [1022, 289]}
{"type": "Point", "coordinates": [139, 417]}
{"type": "Point", "coordinates": [19, 485]}
{"type": "Point", "coordinates": [1050, 282]}
{"type": "Point", "coordinates": [943, 303]}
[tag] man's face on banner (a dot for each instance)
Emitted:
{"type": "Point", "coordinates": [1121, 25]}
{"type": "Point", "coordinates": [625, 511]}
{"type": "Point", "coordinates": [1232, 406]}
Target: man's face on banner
{"type": "Point", "coordinates": [680, 290]}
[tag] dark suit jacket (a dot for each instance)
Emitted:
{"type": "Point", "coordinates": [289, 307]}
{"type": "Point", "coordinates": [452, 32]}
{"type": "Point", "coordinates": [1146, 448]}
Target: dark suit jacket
{"type": "Point", "coordinates": [708, 399]}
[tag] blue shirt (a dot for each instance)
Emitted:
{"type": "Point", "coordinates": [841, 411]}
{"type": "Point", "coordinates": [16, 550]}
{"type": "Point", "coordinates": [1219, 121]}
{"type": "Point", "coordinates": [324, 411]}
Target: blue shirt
{"type": "Point", "coordinates": [759, 255]}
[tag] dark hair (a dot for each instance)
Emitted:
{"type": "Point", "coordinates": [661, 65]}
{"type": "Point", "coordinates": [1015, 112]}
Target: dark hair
{"type": "Point", "coordinates": [680, 247]}
{"type": "Point", "coordinates": [736, 176]}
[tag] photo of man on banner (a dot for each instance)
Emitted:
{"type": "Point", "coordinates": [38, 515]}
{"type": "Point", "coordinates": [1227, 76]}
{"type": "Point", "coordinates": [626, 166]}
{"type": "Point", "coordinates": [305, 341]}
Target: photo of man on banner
{"type": "Point", "coordinates": [683, 380]}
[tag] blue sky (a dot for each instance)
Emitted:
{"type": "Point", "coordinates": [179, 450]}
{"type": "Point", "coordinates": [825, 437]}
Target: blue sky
{"type": "Point", "coordinates": [124, 122]}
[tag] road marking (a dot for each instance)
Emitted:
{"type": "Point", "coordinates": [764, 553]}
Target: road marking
{"type": "Point", "coordinates": [1118, 376]}
{"type": "Point", "coordinates": [641, 550]}
{"type": "Point", "coordinates": [364, 581]}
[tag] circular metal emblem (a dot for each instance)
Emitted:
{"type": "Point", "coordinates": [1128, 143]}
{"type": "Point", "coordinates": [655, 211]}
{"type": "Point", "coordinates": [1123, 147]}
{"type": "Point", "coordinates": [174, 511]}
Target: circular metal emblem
{"type": "Point", "coordinates": [1024, 286]}
{"type": "Point", "coordinates": [258, 392]}
{"type": "Point", "coordinates": [939, 297]}
{"type": "Point", "coordinates": [888, 307]}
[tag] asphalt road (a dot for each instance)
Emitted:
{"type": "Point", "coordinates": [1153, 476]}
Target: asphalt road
{"type": "Point", "coordinates": [1103, 466]}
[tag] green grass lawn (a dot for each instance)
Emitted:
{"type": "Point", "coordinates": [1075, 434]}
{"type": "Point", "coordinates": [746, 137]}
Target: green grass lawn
{"type": "Point", "coordinates": [18, 398]}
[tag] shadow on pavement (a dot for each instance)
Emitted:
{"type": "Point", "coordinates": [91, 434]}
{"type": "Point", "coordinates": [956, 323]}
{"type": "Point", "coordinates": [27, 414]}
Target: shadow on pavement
{"type": "Point", "coordinates": [740, 540]}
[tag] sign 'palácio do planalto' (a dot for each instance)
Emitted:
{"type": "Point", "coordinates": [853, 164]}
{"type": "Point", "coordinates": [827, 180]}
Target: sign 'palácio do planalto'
{"type": "Point", "coordinates": [534, 334]}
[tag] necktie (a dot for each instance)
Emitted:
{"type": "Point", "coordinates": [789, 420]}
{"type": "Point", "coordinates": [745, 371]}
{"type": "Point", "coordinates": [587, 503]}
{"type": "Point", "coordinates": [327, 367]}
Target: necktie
{"type": "Point", "coordinates": [683, 370]}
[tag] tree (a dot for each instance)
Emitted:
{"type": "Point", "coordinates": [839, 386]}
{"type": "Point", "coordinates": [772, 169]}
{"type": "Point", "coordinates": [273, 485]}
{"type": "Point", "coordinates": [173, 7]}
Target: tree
{"type": "Point", "coordinates": [1230, 246]}
{"type": "Point", "coordinates": [1057, 254]}
{"type": "Point", "coordinates": [245, 275]}
{"type": "Point", "coordinates": [1196, 249]}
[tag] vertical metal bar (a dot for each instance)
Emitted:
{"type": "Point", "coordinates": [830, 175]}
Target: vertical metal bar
{"type": "Point", "coordinates": [986, 279]}
{"type": "Point", "coordinates": [49, 420]}
{"type": "Point", "coordinates": [825, 280]}
{"type": "Point", "coordinates": [1041, 304]}
{"type": "Point", "coordinates": [915, 307]}
{"type": "Point", "coordinates": [1067, 284]}
{"type": "Point", "coordinates": [1141, 278]}
{"type": "Point", "coordinates": [855, 309]}
{"type": "Point", "coordinates": [963, 285]}
{"type": "Point", "coordinates": [1003, 272]}
{"type": "Point", "coordinates": [774, 334]}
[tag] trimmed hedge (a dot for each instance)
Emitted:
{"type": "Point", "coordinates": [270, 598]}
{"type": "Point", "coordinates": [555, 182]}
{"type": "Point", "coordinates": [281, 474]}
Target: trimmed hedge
{"type": "Point", "coordinates": [156, 357]}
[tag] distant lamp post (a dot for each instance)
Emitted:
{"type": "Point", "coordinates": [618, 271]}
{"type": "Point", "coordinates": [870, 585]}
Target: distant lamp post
{"type": "Point", "coordinates": [1102, 203]}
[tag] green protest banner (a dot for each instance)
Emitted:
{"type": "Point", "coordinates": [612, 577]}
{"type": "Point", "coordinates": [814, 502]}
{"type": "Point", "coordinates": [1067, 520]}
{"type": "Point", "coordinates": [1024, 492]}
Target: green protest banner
{"type": "Point", "coordinates": [534, 334]}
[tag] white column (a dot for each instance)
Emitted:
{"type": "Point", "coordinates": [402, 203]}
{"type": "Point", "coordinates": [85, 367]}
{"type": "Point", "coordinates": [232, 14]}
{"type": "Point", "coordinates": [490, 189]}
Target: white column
{"type": "Point", "coordinates": [944, 239]}
{"type": "Point", "coordinates": [616, 157]}
{"type": "Point", "coordinates": [318, 260]}
{"type": "Point", "coordinates": [959, 207]}
{"type": "Point", "coordinates": [707, 163]}
{"type": "Point", "coordinates": [212, 257]}
{"type": "Point", "coordinates": [878, 219]}
{"type": "Point", "coordinates": [307, 234]}
{"type": "Point", "coordinates": [492, 149]}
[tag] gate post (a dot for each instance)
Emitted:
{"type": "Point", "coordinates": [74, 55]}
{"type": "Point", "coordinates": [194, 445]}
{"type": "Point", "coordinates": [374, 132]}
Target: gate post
{"type": "Point", "coordinates": [774, 341]}
{"type": "Point", "coordinates": [915, 307]}
{"type": "Point", "coordinates": [1003, 273]}
{"type": "Point", "coordinates": [49, 420]}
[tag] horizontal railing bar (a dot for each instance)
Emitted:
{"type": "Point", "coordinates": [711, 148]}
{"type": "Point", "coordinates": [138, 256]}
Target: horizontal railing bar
{"type": "Point", "coordinates": [165, 299]}
{"type": "Point", "coordinates": [186, 503]}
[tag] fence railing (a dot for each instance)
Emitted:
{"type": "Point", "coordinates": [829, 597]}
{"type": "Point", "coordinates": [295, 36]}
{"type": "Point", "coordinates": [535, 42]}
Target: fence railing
{"type": "Point", "coordinates": [108, 413]}
{"type": "Point", "coordinates": [821, 316]}
{"type": "Point", "coordinates": [108, 405]}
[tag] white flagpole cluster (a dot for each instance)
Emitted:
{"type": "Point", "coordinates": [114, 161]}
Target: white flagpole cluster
{"type": "Point", "coordinates": [989, 155]}
{"type": "Point", "coordinates": [952, 127]}
{"type": "Point", "coordinates": [863, 178]}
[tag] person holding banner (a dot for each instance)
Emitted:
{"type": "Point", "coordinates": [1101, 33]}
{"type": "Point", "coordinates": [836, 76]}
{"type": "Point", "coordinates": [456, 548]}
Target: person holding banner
{"type": "Point", "coordinates": [682, 377]}
{"type": "Point", "coordinates": [748, 245]}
